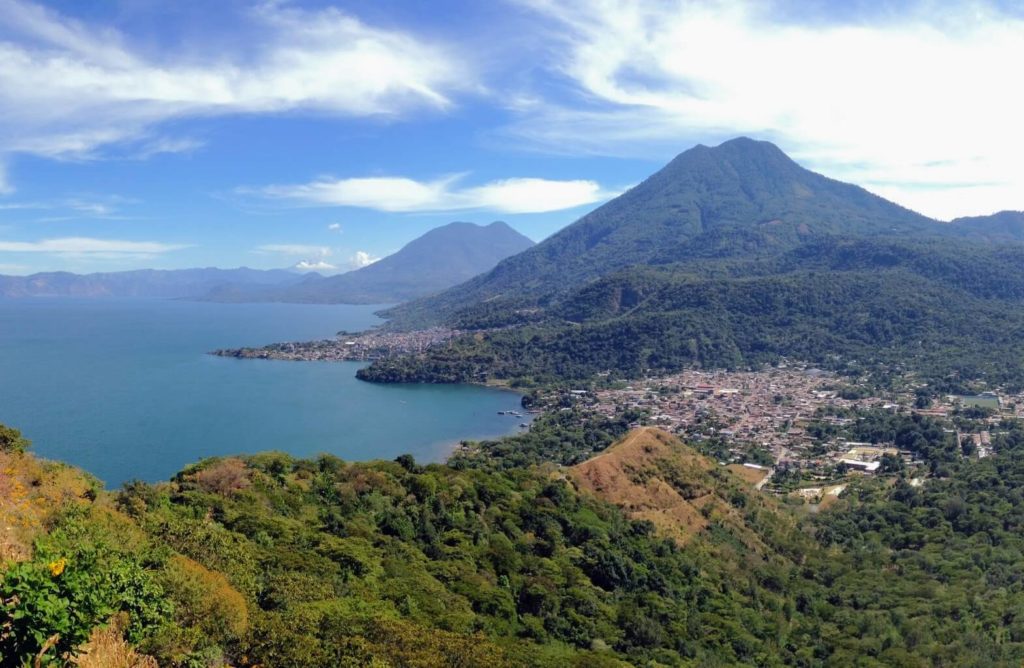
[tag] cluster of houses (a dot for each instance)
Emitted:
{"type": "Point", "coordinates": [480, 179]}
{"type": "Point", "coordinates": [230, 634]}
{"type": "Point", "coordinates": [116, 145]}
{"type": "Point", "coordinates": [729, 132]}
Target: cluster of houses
{"type": "Point", "coordinates": [781, 412]}
{"type": "Point", "coordinates": [362, 347]}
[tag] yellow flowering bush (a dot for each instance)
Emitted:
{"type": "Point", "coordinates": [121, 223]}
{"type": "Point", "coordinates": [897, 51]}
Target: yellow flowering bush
{"type": "Point", "coordinates": [57, 567]}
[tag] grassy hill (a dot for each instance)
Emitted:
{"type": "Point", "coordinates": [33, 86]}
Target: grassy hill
{"type": "Point", "coordinates": [654, 477]}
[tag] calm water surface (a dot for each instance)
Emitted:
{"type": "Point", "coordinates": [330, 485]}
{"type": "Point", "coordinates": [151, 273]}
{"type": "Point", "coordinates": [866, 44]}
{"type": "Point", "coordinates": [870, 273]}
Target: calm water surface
{"type": "Point", "coordinates": [124, 389]}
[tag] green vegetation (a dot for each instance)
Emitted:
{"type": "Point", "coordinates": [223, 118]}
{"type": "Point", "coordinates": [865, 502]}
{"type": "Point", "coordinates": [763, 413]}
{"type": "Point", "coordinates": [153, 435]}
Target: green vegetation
{"type": "Point", "coordinates": [735, 257]}
{"type": "Point", "coordinates": [566, 437]}
{"type": "Point", "coordinates": [870, 319]}
{"type": "Point", "coordinates": [11, 440]}
{"type": "Point", "coordinates": [77, 580]}
{"type": "Point", "coordinates": [280, 562]}
{"type": "Point", "coordinates": [274, 561]}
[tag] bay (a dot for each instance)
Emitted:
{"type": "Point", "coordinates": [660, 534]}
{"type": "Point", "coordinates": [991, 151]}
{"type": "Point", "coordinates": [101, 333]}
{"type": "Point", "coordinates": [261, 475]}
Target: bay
{"type": "Point", "coordinates": [124, 388]}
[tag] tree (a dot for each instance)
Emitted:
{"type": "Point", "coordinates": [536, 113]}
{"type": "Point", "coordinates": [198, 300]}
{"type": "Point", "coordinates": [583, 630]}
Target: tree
{"type": "Point", "coordinates": [11, 440]}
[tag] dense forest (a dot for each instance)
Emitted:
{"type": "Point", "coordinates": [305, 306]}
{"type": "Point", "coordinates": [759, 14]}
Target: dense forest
{"type": "Point", "coordinates": [735, 257]}
{"type": "Point", "coordinates": [273, 561]}
{"type": "Point", "coordinates": [853, 306]}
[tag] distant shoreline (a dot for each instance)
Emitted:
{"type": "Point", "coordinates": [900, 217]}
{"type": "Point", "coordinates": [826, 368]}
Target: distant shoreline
{"type": "Point", "coordinates": [345, 347]}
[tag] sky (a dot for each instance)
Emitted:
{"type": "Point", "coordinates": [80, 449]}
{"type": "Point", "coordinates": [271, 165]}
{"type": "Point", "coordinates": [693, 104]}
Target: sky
{"type": "Point", "coordinates": [324, 135]}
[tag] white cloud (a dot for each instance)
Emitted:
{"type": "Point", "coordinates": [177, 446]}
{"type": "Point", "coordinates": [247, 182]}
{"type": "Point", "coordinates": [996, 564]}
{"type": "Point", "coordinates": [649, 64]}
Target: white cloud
{"type": "Point", "coordinates": [93, 208]}
{"type": "Point", "coordinates": [399, 194]}
{"type": "Point", "coordinates": [67, 88]}
{"type": "Point", "coordinates": [334, 227]}
{"type": "Point", "coordinates": [906, 103]}
{"type": "Point", "coordinates": [22, 206]}
{"type": "Point", "coordinates": [361, 259]}
{"type": "Point", "coordinates": [296, 249]}
{"type": "Point", "coordinates": [90, 206]}
{"type": "Point", "coordinates": [86, 245]}
{"type": "Point", "coordinates": [314, 258]}
{"type": "Point", "coordinates": [307, 265]}
{"type": "Point", "coordinates": [160, 145]}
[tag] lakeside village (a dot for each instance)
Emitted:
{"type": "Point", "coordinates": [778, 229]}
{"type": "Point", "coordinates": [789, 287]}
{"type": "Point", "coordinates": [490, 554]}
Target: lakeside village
{"type": "Point", "coordinates": [348, 347]}
{"type": "Point", "coordinates": [794, 430]}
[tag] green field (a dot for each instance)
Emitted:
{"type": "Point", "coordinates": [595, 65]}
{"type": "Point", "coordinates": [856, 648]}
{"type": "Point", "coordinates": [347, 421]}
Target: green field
{"type": "Point", "coordinates": [980, 402]}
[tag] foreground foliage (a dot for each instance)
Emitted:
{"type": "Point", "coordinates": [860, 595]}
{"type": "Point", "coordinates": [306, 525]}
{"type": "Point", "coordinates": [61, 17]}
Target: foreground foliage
{"type": "Point", "coordinates": [273, 561]}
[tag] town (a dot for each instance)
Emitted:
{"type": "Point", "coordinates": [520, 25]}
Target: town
{"type": "Point", "coordinates": [348, 347]}
{"type": "Point", "coordinates": [790, 430]}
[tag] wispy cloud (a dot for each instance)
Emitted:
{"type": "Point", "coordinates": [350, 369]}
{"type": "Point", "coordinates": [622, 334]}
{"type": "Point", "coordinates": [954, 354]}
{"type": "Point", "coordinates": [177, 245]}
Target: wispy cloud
{"type": "Point", "coordinates": [22, 206]}
{"type": "Point", "coordinates": [163, 145]}
{"type": "Point", "coordinates": [295, 249]}
{"type": "Point", "coordinates": [97, 207]}
{"type": "Point", "coordinates": [404, 195]}
{"type": "Point", "coordinates": [87, 245]}
{"type": "Point", "coordinates": [68, 89]}
{"type": "Point", "coordinates": [361, 259]}
{"type": "Point", "coordinates": [920, 93]}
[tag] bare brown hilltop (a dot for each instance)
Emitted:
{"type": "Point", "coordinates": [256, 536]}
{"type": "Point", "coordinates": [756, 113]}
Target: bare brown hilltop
{"type": "Point", "coordinates": [653, 476]}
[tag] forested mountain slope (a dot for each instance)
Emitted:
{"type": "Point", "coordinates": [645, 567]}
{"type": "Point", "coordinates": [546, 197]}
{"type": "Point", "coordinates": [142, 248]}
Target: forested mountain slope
{"type": "Point", "coordinates": [744, 198]}
{"type": "Point", "coordinates": [658, 320]}
{"type": "Point", "coordinates": [1002, 226]}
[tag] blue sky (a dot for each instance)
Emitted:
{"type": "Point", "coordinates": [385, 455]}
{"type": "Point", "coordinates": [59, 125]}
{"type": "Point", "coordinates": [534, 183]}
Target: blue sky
{"type": "Point", "coordinates": [138, 133]}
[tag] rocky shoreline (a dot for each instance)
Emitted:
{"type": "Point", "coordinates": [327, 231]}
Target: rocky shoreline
{"type": "Point", "coordinates": [346, 347]}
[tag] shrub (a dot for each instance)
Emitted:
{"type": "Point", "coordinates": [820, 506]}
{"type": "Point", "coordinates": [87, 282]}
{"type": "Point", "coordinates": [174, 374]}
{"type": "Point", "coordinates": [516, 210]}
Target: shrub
{"type": "Point", "coordinates": [11, 440]}
{"type": "Point", "coordinates": [205, 599]}
{"type": "Point", "coordinates": [224, 477]}
{"type": "Point", "coordinates": [52, 604]}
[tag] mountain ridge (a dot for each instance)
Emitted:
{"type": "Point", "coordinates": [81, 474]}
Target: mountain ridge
{"type": "Point", "coordinates": [735, 257]}
{"type": "Point", "coordinates": [440, 258]}
{"type": "Point", "coordinates": [160, 283]}
{"type": "Point", "coordinates": [1000, 226]}
{"type": "Point", "coordinates": [699, 204]}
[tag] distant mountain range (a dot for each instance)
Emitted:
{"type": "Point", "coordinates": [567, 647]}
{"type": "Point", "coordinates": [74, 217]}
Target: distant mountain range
{"type": "Point", "coordinates": [441, 258]}
{"type": "Point", "coordinates": [735, 256]}
{"type": "Point", "coordinates": [168, 284]}
{"type": "Point", "coordinates": [1002, 226]}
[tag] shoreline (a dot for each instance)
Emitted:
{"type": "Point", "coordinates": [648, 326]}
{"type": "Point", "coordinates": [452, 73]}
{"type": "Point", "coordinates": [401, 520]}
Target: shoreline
{"type": "Point", "coordinates": [347, 347]}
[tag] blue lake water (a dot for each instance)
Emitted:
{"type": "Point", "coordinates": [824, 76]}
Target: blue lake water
{"type": "Point", "coordinates": [125, 389]}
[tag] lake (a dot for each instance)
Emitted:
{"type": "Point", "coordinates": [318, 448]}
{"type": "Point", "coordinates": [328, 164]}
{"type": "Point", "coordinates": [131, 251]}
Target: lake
{"type": "Point", "coordinates": [125, 389]}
